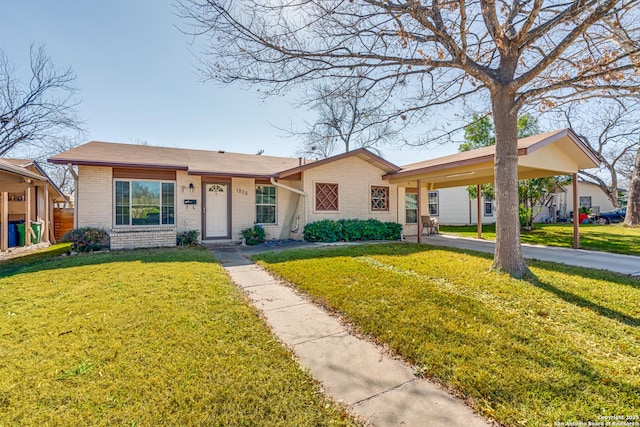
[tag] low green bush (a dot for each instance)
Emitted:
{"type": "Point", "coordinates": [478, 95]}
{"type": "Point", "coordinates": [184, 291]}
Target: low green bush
{"type": "Point", "coordinates": [188, 238]}
{"type": "Point", "coordinates": [87, 239]}
{"type": "Point", "coordinates": [328, 230]}
{"type": "Point", "coordinates": [254, 235]}
{"type": "Point", "coordinates": [325, 230]}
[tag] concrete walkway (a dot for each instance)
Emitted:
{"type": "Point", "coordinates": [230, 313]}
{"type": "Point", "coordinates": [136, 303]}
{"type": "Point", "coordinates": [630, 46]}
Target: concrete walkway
{"type": "Point", "coordinates": [381, 390]}
{"type": "Point", "coordinates": [625, 264]}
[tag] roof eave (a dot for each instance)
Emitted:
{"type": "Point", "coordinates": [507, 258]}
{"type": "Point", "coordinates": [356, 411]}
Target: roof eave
{"type": "Point", "coordinates": [58, 161]}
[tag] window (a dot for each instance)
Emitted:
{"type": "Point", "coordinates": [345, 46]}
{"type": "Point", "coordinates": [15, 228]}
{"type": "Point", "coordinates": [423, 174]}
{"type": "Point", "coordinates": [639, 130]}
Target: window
{"type": "Point", "coordinates": [411, 208]}
{"type": "Point", "coordinates": [379, 198]}
{"type": "Point", "coordinates": [144, 203]}
{"type": "Point", "coordinates": [265, 204]}
{"type": "Point", "coordinates": [433, 203]}
{"type": "Point", "coordinates": [488, 206]}
{"type": "Point", "coordinates": [585, 201]}
{"type": "Point", "coordinates": [326, 197]}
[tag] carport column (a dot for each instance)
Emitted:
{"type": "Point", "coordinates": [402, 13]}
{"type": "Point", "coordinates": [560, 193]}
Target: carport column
{"type": "Point", "coordinates": [4, 244]}
{"type": "Point", "coordinates": [419, 201]}
{"type": "Point", "coordinates": [576, 216]}
{"type": "Point", "coordinates": [479, 217]}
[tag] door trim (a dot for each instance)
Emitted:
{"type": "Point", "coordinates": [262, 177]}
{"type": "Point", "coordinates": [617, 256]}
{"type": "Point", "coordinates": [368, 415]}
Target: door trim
{"type": "Point", "coordinates": [204, 210]}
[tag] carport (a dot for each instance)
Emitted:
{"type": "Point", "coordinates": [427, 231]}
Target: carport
{"type": "Point", "coordinates": [560, 152]}
{"type": "Point", "coordinates": [25, 195]}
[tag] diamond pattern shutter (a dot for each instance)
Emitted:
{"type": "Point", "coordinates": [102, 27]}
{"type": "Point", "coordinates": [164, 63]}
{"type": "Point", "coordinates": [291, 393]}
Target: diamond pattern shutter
{"type": "Point", "coordinates": [326, 197]}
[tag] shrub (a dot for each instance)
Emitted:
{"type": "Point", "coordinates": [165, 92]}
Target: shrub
{"type": "Point", "coordinates": [254, 235]}
{"type": "Point", "coordinates": [328, 230]}
{"type": "Point", "coordinates": [188, 238]}
{"type": "Point", "coordinates": [325, 230]}
{"type": "Point", "coordinates": [87, 239]}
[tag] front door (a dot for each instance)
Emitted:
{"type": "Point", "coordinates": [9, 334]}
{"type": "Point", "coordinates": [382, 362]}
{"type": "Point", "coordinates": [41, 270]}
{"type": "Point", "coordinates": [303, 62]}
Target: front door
{"type": "Point", "coordinates": [216, 211]}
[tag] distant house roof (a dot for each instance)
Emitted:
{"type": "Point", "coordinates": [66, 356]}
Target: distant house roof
{"type": "Point", "coordinates": [200, 162]}
{"type": "Point", "coordinates": [547, 154]}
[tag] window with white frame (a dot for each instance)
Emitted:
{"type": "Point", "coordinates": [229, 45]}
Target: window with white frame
{"type": "Point", "coordinates": [488, 206]}
{"type": "Point", "coordinates": [433, 203]}
{"type": "Point", "coordinates": [265, 204]}
{"type": "Point", "coordinates": [144, 202]}
{"type": "Point", "coordinates": [411, 208]}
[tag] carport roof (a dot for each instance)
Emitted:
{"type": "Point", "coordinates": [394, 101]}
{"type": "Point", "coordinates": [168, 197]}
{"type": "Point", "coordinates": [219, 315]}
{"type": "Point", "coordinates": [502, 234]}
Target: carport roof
{"type": "Point", "coordinates": [559, 152]}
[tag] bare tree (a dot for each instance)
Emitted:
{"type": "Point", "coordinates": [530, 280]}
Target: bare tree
{"type": "Point", "coordinates": [610, 128]}
{"type": "Point", "coordinates": [348, 117]}
{"type": "Point", "coordinates": [38, 115]}
{"type": "Point", "coordinates": [632, 218]}
{"type": "Point", "coordinates": [431, 55]}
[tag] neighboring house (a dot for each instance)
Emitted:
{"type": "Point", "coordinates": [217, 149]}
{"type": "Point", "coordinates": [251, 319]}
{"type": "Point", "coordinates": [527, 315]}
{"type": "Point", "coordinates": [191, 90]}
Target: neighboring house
{"type": "Point", "coordinates": [145, 195]}
{"type": "Point", "coordinates": [454, 207]}
{"type": "Point", "coordinates": [27, 195]}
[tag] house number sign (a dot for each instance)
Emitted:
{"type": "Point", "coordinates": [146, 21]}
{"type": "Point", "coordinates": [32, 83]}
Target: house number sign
{"type": "Point", "coordinates": [242, 191]}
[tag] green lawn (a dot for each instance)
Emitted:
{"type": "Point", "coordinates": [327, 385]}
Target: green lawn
{"type": "Point", "coordinates": [154, 337]}
{"type": "Point", "coordinates": [608, 238]}
{"type": "Point", "coordinates": [563, 348]}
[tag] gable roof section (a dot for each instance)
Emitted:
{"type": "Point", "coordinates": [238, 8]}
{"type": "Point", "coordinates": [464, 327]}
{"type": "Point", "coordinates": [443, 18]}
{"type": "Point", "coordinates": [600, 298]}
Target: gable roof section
{"type": "Point", "coordinates": [15, 167]}
{"type": "Point", "coordinates": [361, 153]}
{"type": "Point", "coordinates": [196, 162]}
{"type": "Point", "coordinates": [23, 167]}
{"type": "Point", "coordinates": [201, 162]}
{"type": "Point", "coordinates": [551, 153]}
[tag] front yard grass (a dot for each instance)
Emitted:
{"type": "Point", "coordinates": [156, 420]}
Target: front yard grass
{"type": "Point", "coordinates": [156, 337]}
{"type": "Point", "coordinates": [563, 348]}
{"type": "Point", "coordinates": [608, 238]}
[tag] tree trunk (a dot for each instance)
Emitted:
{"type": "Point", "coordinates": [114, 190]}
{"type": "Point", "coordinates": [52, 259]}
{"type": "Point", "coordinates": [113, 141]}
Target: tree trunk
{"type": "Point", "coordinates": [632, 219]}
{"type": "Point", "coordinates": [508, 253]}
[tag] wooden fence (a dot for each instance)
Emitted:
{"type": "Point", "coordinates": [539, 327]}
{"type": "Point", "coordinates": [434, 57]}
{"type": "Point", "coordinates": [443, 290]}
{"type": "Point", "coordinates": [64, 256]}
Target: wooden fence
{"type": "Point", "coordinates": [62, 221]}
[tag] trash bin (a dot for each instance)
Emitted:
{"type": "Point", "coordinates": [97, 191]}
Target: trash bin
{"type": "Point", "coordinates": [13, 235]}
{"type": "Point", "coordinates": [37, 230]}
{"type": "Point", "coordinates": [20, 228]}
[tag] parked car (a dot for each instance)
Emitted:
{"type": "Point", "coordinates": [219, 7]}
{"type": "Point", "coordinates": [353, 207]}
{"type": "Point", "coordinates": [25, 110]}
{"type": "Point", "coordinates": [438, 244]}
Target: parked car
{"type": "Point", "coordinates": [612, 217]}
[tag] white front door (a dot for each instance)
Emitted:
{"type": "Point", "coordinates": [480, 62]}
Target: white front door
{"type": "Point", "coordinates": [216, 210]}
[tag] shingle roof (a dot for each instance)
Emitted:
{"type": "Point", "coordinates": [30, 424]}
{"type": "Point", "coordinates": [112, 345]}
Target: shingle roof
{"type": "Point", "coordinates": [481, 155]}
{"type": "Point", "coordinates": [200, 162]}
{"type": "Point", "coordinates": [98, 153]}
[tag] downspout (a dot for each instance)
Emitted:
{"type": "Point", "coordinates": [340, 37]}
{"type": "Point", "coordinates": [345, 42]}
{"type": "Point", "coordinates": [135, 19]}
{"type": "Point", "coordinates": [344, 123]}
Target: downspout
{"type": "Point", "coordinates": [75, 194]}
{"type": "Point", "coordinates": [300, 193]}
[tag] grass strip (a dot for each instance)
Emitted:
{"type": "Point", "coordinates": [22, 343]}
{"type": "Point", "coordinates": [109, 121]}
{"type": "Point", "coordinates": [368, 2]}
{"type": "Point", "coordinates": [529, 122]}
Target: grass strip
{"type": "Point", "coordinates": [153, 337]}
{"type": "Point", "coordinates": [597, 237]}
{"type": "Point", "coordinates": [563, 348]}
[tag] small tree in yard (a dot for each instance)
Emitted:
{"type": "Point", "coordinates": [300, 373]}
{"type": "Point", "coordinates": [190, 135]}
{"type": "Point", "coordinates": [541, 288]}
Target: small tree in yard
{"type": "Point", "coordinates": [610, 128]}
{"type": "Point", "coordinates": [426, 55]}
{"type": "Point", "coordinates": [632, 219]}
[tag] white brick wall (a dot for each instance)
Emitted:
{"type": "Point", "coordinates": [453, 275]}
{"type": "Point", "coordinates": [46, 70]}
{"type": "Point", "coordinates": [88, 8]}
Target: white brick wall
{"type": "Point", "coordinates": [142, 238]}
{"type": "Point", "coordinates": [354, 177]}
{"type": "Point", "coordinates": [243, 199]}
{"type": "Point", "coordinates": [188, 217]}
{"type": "Point", "coordinates": [94, 197]}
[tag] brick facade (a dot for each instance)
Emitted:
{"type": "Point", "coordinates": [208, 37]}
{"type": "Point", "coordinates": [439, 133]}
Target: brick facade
{"type": "Point", "coordinates": [353, 175]}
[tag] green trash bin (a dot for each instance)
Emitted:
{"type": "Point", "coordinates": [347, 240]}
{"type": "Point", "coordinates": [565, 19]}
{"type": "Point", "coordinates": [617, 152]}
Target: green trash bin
{"type": "Point", "coordinates": [20, 228]}
{"type": "Point", "coordinates": [37, 230]}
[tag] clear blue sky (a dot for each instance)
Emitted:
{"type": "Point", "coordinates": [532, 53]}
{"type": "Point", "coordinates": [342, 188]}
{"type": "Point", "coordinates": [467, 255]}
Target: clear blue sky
{"type": "Point", "coordinates": [138, 82]}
